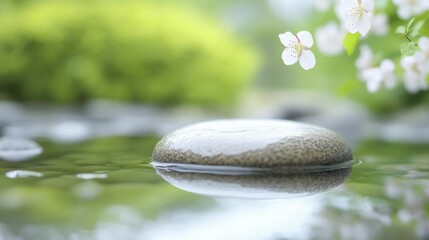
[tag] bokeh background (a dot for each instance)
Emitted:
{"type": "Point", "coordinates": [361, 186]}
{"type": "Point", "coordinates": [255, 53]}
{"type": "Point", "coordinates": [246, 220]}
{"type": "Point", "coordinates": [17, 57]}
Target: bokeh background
{"type": "Point", "coordinates": [207, 53]}
{"type": "Point", "coordinates": [98, 82]}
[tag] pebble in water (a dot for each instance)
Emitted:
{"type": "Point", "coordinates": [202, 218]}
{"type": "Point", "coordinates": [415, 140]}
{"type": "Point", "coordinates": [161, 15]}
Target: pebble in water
{"type": "Point", "coordinates": [253, 143]}
{"type": "Point", "coordinates": [253, 159]}
{"type": "Point", "coordinates": [15, 149]}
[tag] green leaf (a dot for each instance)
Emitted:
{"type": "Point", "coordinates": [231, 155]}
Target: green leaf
{"type": "Point", "coordinates": [350, 42]}
{"type": "Point", "coordinates": [424, 29]}
{"type": "Point", "coordinates": [410, 23]}
{"type": "Point", "coordinates": [408, 49]}
{"type": "Point", "coordinates": [415, 30]}
{"type": "Point", "coordinates": [400, 30]}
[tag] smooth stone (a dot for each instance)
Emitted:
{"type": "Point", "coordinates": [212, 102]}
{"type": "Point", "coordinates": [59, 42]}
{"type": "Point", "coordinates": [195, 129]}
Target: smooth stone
{"type": "Point", "coordinates": [253, 143]}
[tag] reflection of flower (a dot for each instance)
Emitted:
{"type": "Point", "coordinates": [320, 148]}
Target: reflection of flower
{"type": "Point", "coordinates": [374, 77]}
{"type": "Point", "coordinates": [415, 72]}
{"type": "Point", "coordinates": [422, 229]}
{"type": "Point", "coordinates": [357, 15]}
{"type": "Point", "coordinates": [329, 39]}
{"type": "Point", "coordinates": [410, 8]}
{"type": "Point", "coordinates": [393, 188]}
{"type": "Point", "coordinates": [379, 24]}
{"type": "Point", "coordinates": [298, 48]}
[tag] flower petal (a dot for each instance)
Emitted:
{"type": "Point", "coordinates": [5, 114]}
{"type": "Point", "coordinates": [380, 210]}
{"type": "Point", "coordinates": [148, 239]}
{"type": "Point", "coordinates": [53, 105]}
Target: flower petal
{"type": "Point", "coordinates": [372, 86]}
{"type": "Point", "coordinates": [288, 39]}
{"type": "Point", "coordinates": [407, 62]}
{"type": "Point", "coordinates": [346, 5]}
{"type": "Point", "coordinates": [290, 56]}
{"type": "Point", "coordinates": [411, 82]}
{"type": "Point", "coordinates": [307, 60]}
{"type": "Point", "coordinates": [421, 62]}
{"type": "Point", "coordinates": [387, 66]}
{"type": "Point", "coordinates": [404, 13]}
{"type": "Point", "coordinates": [352, 19]}
{"type": "Point", "coordinates": [329, 39]}
{"type": "Point", "coordinates": [365, 23]}
{"type": "Point", "coordinates": [424, 44]}
{"type": "Point", "coordinates": [365, 58]}
{"type": "Point", "coordinates": [368, 5]}
{"type": "Point", "coordinates": [380, 24]}
{"type": "Point", "coordinates": [373, 78]}
{"type": "Point", "coordinates": [305, 38]}
{"type": "Point", "coordinates": [339, 11]}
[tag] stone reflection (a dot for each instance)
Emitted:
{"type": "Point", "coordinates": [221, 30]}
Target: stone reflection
{"type": "Point", "coordinates": [262, 184]}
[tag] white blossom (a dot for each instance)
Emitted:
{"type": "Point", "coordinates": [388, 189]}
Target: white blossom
{"type": "Point", "coordinates": [329, 39]}
{"type": "Point", "coordinates": [416, 68]}
{"type": "Point", "coordinates": [298, 48]}
{"type": "Point", "coordinates": [380, 24]}
{"type": "Point", "coordinates": [410, 8]}
{"type": "Point", "coordinates": [357, 15]}
{"type": "Point", "coordinates": [416, 72]}
{"type": "Point", "coordinates": [424, 48]}
{"type": "Point", "coordinates": [338, 9]}
{"type": "Point", "coordinates": [365, 59]}
{"type": "Point", "coordinates": [375, 77]}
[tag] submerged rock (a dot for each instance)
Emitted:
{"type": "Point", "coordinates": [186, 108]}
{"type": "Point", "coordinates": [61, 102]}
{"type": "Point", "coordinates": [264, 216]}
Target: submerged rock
{"type": "Point", "coordinates": [253, 143]}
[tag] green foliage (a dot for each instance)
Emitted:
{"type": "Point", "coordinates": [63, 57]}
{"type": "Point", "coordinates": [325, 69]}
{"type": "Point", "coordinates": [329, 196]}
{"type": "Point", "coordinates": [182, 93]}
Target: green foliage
{"type": "Point", "coordinates": [72, 51]}
{"type": "Point", "coordinates": [409, 32]}
{"type": "Point", "coordinates": [400, 30]}
{"type": "Point", "coordinates": [350, 42]}
{"type": "Point", "coordinates": [408, 49]}
{"type": "Point", "coordinates": [424, 29]}
{"type": "Point", "coordinates": [414, 31]}
{"type": "Point", "coordinates": [410, 23]}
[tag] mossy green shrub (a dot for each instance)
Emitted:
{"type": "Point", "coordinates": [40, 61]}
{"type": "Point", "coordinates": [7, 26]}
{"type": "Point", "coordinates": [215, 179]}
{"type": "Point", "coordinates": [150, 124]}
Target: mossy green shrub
{"type": "Point", "coordinates": [72, 51]}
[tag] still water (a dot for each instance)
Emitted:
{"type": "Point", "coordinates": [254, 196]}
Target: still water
{"type": "Point", "coordinates": [107, 189]}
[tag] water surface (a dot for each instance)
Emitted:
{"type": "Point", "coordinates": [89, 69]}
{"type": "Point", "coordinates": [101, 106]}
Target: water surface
{"type": "Point", "coordinates": [107, 189]}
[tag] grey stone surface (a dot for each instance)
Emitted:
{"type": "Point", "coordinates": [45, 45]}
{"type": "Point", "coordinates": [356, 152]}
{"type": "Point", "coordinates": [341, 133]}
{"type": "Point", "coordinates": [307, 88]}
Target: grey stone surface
{"type": "Point", "coordinates": [253, 143]}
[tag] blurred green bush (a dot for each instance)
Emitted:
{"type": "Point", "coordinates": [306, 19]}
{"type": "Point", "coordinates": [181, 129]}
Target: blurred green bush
{"type": "Point", "coordinates": [72, 51]}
